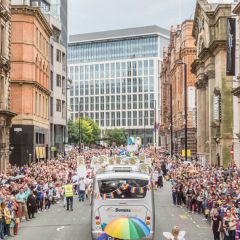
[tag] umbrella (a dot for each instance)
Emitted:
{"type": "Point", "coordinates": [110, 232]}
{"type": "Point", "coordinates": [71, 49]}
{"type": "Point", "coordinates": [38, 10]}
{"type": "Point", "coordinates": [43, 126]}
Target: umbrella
{"type": "Point", "coordinates": [104, 236]}
{"type": "Point", "coordinates": [127, 228]}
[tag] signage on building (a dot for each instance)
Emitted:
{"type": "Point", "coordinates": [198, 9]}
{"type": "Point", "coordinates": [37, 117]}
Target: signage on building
{"type": "Point", "coordinates": [188, 153]}
{"type": "Point", "coordinates": [231, 45]}
{"type": "Point", "coordinates": [191, 99]}
{"type": "Point", "coordinates": [216, 108]}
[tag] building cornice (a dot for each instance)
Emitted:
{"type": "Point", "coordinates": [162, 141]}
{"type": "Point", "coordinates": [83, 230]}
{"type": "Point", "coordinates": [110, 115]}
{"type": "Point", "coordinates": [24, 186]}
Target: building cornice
{"type": "Point", "coordinates": [196, 65]}
{"type": "Point", "coordinates": [33, 11]}
{"type": "Point", "coordinates": [34, 83]}
{"type": "Point", "coordinates": [236, 10]}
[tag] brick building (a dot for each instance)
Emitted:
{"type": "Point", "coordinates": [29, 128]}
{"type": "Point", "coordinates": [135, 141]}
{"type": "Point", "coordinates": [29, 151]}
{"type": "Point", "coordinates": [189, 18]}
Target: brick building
{"type": "Point", "coordinates": [29, 84]}
{"type": "Point", "coordinates": [5, 114]}
{"type": "Point", "coordinates": [181, 49]}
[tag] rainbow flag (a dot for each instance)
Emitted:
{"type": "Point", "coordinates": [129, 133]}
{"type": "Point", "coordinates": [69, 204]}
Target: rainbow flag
{"type": "Point", "coordinates": [133, 190]}
{"type": "Point", "coordinates": [141, 190]}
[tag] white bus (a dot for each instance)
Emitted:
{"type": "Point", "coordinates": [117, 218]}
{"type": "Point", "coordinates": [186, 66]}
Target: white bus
{"type": "Point", "coordinates": [121, 191]}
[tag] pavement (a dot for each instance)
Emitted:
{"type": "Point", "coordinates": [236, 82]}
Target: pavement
{"type": "Point", "coordinates": [59, 224]}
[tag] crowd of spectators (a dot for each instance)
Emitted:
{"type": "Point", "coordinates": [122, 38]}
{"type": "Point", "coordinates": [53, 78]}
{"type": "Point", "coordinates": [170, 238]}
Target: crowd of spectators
{"type": "Point", "coordinates": [209, 190]}
{"type": "Point", "coordinates": [32, 189]}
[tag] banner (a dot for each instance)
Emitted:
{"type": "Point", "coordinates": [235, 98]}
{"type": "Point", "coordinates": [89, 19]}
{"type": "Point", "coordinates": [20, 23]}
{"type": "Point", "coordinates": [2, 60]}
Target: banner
{"type": "Point", "coordinates": [231, 46]}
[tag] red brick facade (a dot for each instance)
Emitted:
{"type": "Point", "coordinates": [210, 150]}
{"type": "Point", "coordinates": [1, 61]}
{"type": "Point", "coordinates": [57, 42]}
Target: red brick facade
{"type": "Point", "coordinates": [181, 48]}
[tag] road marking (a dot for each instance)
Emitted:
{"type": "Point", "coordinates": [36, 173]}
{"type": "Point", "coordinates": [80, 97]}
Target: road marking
{"type": "Point", "coordinates": [183, 216]}
{"type": "Point", "coordinates": [60, 228]}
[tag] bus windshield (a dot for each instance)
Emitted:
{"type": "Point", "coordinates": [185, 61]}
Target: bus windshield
{"type": "Point", "coordinates": [123, 188]}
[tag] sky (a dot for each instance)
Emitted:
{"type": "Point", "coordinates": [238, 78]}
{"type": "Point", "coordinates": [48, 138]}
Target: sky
{"type": "Point", "coordinates": [87, 16]}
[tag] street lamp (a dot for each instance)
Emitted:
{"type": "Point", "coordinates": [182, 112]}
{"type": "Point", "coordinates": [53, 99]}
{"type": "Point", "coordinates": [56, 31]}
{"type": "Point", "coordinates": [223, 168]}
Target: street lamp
{"type": "Point", "coordinates": [155, 124]}
{"type": "Point", "coordinates": [80, 128]}
{"type": "Point", "coordinates": [185, 106]}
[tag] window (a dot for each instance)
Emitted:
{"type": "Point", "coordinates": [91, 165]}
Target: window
{"type": "Point", "coordinates": [140, 118]}
{"type": "Point", "coordinates": [58, 105]}
{"type": "Point", "coordinates": [58, 80]}
{"type": "Point", "coordinates": [59, 56]}
{"type": "Point", "coordinates": [146, 101]}
{"type": "Point", "coordinates": [113, 119]}
{"type": "Point", "coordinates": [51, 107]}
{"type": "Point", "coordinates": [134, 101]}
{"type": "Point", "coordinates": [118, 119]}
{"type": "Point", "coordinates": [97, 103]}
{"type": "Point", "coordinates": [52, 53]}
{"type": "Point", "coordinates": [112, 102]}
{"type": "Point", "coordinates": [2, 50]}
{"type": "Point", "coordinates": [102, 119]}
{"type": "Point", "coordinates": [124, 102]}
{"type": "Point", "coordinates": [107, 119]}
{"type": "Point", "coordinates": [134, 85]}
{"type": "Point", "coordinates": [118, 102]}
{"type": "Point", "coordinates": [51, 79]}
{"type": "Point", "coordinates": [129, 119]}
{"type": "Point", "coordinates": [63, 86]}
{"type": "Point", "coordinates": [129, 102]}
{"type": "Point", "coordinates": [140, 101]}
{"type": "Point", "coordinates": [102, 103]}
{"type": "Point", "coordinates": [92, 103]}
{"type": "Point", "coordinates": [107, 102]}
{"type": "Point", "coordinates": [134, 118]}
{"type": "Point", "coordinates": [123, 118]}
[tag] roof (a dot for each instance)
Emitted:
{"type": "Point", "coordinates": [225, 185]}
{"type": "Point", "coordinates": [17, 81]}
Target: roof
{"type": "Point", "coordinates": [121, 33]}
{"type": "Point", "coordinates": [122, 175]}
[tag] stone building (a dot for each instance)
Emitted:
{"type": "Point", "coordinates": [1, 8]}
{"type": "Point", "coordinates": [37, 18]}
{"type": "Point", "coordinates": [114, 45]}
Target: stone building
{"type": "Point", "coordinates": [181, 49]}
{"type": "Point", "coordinates": [214, 98]}
{"type": "Point", "coordinates": [236, 92]}
{"type": "Point", "coordinates": [5, 114]}
{"type": "Point", "coordinates": [30, 84]}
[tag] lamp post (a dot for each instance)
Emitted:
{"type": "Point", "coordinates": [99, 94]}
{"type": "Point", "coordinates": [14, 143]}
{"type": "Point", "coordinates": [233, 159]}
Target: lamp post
{"type": "Point", "coordinates": [185, 106]}
{"type": "Point", "coordinates": [155, 127]}
{"type": "Point", "coordinates": [80, 129]}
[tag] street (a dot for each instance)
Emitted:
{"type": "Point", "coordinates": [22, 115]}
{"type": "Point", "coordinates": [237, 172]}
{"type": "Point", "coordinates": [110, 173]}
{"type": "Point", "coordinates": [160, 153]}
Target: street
{"type": "Point", "coordinates": [58, 224]}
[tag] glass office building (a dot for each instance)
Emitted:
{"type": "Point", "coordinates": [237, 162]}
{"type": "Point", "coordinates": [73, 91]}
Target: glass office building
{"type": "Point", "coordinates": [115, 78]}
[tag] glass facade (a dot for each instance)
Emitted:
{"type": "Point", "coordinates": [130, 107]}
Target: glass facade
{"type": "Point", "coordinates": [115, 82]}
{"type": "Point", "coordinates": [143, 47]}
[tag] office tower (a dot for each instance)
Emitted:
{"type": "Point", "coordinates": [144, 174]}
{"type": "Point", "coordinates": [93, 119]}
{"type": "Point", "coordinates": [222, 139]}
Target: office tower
{"type": "Point", "coordinates": [115, 78]}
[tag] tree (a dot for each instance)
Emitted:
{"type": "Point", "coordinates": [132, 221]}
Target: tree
{"type": "Point", "coordinates": [85, 129]}
{"type": "Point", "coordinates": [73, 133]}
{"type": "Point", "coordinates": [95, 129]}
{"type": "Point", "coordinates": [117, 135]}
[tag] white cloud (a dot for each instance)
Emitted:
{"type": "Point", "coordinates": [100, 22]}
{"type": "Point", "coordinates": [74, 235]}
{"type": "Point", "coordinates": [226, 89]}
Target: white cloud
{"type": "Point", "coordinates": [99, 15]}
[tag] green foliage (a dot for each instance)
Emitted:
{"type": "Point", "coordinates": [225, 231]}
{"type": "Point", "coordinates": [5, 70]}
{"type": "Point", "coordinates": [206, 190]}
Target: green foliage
{"type": "Point", "coordinates": [117, 135]}
{"type": "Point", "coordinates": [84, 128]}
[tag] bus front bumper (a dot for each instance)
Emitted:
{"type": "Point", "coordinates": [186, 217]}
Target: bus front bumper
{"type": "Point", "coordinates": [96, 234]}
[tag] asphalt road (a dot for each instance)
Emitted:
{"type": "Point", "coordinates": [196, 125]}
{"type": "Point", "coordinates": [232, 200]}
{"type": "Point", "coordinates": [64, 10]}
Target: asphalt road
{"type": "Point", "coordinates": [58, 224]}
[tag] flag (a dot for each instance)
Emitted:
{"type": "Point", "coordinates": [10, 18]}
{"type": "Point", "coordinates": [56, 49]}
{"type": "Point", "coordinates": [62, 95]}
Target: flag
{"type": "Point", "coordinates": [133, 190]}
{"type": "Point", "coordinates": [141, 190]}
